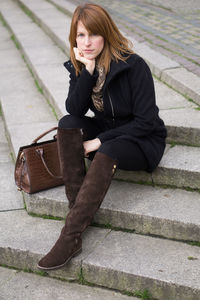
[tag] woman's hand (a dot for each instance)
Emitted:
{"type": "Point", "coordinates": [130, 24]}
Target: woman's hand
{"type": "Point", "coordinates": [91, 145]}
{"type": "Point", "coordinates": [89, 63]}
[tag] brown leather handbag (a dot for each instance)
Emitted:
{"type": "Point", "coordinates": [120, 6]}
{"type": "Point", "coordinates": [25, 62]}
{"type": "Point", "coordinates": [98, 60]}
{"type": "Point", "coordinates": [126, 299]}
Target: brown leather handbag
{"type": "Point", "coordinates": [37, 166]}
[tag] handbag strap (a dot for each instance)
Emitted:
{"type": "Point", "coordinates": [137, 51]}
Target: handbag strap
{"type": "Point", "coordinates": [43, 134]}
{"type": "Point", "coordinates": [41, 152]}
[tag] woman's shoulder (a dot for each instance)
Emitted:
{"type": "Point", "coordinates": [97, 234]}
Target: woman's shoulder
{"type": "Point", "coordinates": [135, 59]}
{"type": "Point", "coordinates": [69, 66]}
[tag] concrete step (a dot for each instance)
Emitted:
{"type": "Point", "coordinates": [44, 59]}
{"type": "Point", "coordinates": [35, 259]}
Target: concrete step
{"type": "Point", "coordinates": [180, 115]}
{"type": "Point", "coordinates": [169, 213]}
{"type": "Point", "coordinates": [19, 285]}
{"type": "Point", "coordinates": [25, 110]}
{"type": "Point", "coordinates": [179, 167]}
{"type": "Point", "coordinates": [9, 199]}
{"type": "Point", "coordinates": [163, 67]}
{"type": "Point", "coordinates": [113, 259]}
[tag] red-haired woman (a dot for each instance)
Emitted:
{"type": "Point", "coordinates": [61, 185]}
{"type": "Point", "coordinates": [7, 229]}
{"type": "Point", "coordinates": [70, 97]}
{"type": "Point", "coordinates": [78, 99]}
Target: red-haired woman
{"type": "Point", "coordinates": [125, 131]}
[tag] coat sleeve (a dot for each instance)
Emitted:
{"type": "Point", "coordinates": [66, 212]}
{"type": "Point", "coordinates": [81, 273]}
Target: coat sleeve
{"type": "Point", "coordinates": [80, 90]}
{"type": "Point", "coordinates": [144, 109]}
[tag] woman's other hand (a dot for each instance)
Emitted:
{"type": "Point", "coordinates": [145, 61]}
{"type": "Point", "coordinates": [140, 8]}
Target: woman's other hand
{"type": "Point", "coordinates": [89, 63]}
{"type": "Point", "coordinates": [91, 145]}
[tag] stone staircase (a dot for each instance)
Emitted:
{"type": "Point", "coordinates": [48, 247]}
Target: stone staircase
{"type": "Point", "coordinates": [146, 235]}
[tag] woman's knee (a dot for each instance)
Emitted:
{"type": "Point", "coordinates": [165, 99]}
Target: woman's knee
{"type": "Point", "coordinates": [108, 148]}
{"type": "Point", "coordinates": [70, 121]}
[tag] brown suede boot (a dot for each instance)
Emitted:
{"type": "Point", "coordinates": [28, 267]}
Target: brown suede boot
{"type": "Point", "coordinates": [89, 198]}
{"type": "Point", "coordinates": [71, 155]}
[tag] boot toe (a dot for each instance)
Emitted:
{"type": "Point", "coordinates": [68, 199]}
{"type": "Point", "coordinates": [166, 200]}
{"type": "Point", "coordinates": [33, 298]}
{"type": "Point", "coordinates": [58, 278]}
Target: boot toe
{"type": "Point", "coordinates": [49, 262]}
{"type": "Point", "coordinates": [60, 254]}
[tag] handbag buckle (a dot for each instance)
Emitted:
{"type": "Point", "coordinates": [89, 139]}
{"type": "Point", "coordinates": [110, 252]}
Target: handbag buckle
{"type": "Point", "coordinates": [21, 157]}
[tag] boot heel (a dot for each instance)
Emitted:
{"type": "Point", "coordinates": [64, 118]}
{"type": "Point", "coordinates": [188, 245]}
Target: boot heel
{"type": "Point", "coordinates": [77, 252]}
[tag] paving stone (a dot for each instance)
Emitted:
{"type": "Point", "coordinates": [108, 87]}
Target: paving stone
{"type": "Point", "coordinates": [185, 81]}
{"type": "Point", "coordinates": [19, 285]}
{"type": "Point", "coordinates": [171, 213]}
{"type": "Point", "coordinates": [133, 262]}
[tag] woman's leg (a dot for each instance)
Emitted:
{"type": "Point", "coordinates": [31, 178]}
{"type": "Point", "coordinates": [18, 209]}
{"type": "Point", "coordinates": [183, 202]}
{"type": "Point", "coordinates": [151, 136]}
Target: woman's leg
{"type": "Point", "coordinates": [129, 154]}
{"type": "Point", "coordinates": [91, 127]}
{"type": "Point", "coordinates": [71, 153]}
{"type": "Point", "coordinates": [88, 200]}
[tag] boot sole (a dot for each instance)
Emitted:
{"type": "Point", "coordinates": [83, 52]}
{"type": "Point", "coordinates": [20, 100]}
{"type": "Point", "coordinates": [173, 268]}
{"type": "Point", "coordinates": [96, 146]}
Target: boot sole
{"type": "Point", "coordinates": [60, 266]}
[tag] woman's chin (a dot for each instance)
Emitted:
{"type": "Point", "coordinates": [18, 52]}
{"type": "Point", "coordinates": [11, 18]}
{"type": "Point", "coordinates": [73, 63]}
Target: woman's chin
{"type": "Point", "coordinates": [90, 56]}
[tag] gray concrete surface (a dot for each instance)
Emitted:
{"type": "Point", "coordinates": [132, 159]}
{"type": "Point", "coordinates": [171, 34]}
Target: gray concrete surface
{"type": "Point", "coordinates": [9, 199]}
{"type": "Point", "coordinates": [123, 259]}
{"type": "Point", "coordinates": [178, 6]}
{"type": "Point", "coordinates": [25, 286]}
{"type": "Point", "coordinates": [117, 260]}
{"type": "Point", "coordinates": [180, 167]}
{"type": "Point", "coordinates": [171, 213]}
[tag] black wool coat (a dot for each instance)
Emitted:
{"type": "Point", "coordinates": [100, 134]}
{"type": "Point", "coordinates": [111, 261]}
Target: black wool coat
{"type": "Point", "coordinates": [129, 104]}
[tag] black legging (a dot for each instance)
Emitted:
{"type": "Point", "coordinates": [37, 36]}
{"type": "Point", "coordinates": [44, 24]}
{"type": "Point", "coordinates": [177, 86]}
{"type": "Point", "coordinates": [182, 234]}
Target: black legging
{"type": "Point", "coordinates": [128, 153]}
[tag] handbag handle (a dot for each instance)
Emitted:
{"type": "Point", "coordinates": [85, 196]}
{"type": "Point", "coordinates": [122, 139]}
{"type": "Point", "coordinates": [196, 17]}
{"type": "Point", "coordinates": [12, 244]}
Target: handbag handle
{"type": "Point", "coordinates": [43, 134]}
{"type": "Point", "coordinates": [41, 152]}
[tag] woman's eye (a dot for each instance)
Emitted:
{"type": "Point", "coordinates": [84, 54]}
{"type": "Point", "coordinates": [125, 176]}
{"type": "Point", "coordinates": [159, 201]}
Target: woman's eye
{"type": "Point", "coordinates": [80, 35]}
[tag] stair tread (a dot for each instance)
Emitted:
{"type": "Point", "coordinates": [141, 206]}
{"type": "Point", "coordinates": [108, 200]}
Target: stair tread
{"type": "Point", "coordinates": [171, 213]}
{"type": "Point", "coordinates": [14, 284]}
{"type": "Point", "coordinates": [128, 256]}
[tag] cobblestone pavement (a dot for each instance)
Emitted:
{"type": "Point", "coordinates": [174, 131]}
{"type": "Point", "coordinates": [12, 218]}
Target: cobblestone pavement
{"type": "Point", "coordinates": [173, 30]}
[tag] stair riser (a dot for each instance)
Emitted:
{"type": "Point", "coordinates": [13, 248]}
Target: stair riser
{"type": "Point", "coordinates": [26, 260]}
{"type": "Point", "coordinates": [139, 223]}
{"type": "Point", "coordinates": [129, 282]}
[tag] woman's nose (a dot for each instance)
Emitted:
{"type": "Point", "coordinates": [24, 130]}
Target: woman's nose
{"type": "Point", "coordinates": [87, 41]}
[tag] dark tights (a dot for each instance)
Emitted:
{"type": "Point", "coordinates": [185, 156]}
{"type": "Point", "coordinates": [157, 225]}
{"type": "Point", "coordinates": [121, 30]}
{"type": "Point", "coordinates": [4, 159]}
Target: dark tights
{"type": "Point", "coordinates": [128, 153]}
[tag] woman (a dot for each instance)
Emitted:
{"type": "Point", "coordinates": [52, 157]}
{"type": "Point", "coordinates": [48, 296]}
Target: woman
{"type": "Point", "coordinates": [125, 132]}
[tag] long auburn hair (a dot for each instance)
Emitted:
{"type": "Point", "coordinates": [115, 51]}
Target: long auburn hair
{"type": "Point", "coordinates": [97, 21]}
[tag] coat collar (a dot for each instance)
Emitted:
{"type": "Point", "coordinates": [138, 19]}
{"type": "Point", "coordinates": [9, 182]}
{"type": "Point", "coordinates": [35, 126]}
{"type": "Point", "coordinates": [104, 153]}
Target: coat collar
{"type": "Point", "coordinates": [115, 69]}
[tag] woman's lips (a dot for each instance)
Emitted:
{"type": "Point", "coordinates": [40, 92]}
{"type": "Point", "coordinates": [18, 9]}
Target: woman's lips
{"type": "Point", "coordinates": [88, 51]}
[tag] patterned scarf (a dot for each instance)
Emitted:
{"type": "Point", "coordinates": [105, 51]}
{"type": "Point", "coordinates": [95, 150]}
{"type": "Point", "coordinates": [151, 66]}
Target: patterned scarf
{"type": "Point", "coordinates": [97, 93]}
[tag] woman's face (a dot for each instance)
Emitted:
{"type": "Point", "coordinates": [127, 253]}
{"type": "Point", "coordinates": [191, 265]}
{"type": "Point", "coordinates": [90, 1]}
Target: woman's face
{"type": "Point", "coordinates": [90, 45]}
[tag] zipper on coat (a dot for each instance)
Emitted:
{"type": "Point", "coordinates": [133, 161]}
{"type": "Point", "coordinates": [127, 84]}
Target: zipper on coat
{"type": "Point", "coordinates": [112, 109]}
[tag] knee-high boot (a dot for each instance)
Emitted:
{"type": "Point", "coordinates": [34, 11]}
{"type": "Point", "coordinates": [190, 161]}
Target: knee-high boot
{"type": "Point", "coordinates": [89, 198]}
{"type": "Point", "coordinates": [71, 155]}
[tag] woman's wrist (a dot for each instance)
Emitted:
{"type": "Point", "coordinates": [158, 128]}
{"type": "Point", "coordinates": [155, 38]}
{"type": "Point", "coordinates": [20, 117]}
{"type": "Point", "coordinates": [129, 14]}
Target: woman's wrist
{"type": "Point", "coordinates": [90, 67]}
